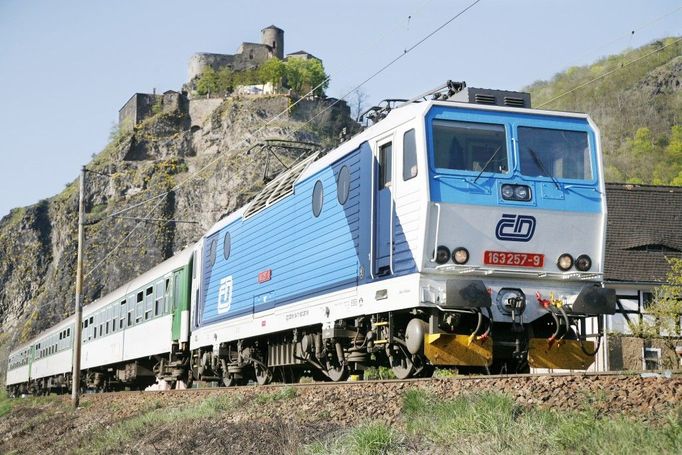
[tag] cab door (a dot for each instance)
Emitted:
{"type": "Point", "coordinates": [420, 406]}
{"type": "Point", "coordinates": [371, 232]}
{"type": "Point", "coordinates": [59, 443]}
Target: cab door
{"type": "Point", "coordinates": [383, 209]}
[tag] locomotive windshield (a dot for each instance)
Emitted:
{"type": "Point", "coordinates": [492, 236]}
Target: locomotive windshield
{"type": "Point", "coordinates": [469, 146]}
{"type": "Point", "coordinates": [556, 154]}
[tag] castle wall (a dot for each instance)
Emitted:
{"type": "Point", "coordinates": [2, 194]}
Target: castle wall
{"type": "Point", "coordinates": [199, 62]}
{"type": "Point", "coordinates": [200, 109]}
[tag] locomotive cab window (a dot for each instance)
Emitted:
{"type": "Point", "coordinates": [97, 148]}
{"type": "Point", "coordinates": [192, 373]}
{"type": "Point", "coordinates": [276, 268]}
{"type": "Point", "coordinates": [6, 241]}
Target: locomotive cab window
{"type": "Point", "coordinates": [466, 146]}
{"type": "Point", "coordinates": [557, 154]}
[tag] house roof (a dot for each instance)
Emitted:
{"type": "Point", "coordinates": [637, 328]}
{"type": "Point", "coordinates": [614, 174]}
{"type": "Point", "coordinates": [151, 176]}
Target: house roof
{"type": "Point", "coordinates": [644, 226]}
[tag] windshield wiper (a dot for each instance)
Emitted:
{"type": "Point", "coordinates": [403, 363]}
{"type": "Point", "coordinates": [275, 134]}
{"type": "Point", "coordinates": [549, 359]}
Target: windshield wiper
{"type": "Point", "coordinates": [538, 161]}
{"type": "Point", "coordinates": [487, 163]}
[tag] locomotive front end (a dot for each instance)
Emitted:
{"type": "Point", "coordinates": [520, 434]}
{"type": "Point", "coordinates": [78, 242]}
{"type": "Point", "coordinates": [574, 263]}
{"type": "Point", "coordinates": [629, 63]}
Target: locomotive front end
{"type": "Point", "coordinates": [515, 238]}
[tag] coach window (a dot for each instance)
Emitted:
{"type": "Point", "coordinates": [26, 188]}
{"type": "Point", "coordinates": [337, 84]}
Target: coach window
{"type": "Point", "coordinates": [149, 303]}
{"type": "Point", "coordinates": [318, 198]}
{"type": "Point", "coordinates": [158, 304]}
{"type": "Point", "coordinates": [409, 155]}
{"type": "Point", "coordinates": [139, 307]}
{"type": "Point", "coordinates": [385, 165]}
{"type": "Point", "coordinates": [343, 185]}
{"type": "Point", "coordinates": [167, 297]}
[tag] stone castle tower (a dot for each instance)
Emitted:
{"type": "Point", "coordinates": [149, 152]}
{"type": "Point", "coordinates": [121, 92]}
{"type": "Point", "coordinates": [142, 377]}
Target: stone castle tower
{"type": "Point", "coordinates": [274, 37]}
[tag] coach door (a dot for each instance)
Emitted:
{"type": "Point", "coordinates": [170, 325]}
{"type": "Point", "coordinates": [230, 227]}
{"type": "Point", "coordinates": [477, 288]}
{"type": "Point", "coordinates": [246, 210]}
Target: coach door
{"type": "Point", "coordinates": [383, 209]}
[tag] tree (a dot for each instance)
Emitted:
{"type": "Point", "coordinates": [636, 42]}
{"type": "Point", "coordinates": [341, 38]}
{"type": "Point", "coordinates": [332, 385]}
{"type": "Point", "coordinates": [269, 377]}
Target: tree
{"type": "Point", "coordinates": [304, 76]}
{"type": "Point", "coordinates": [358, 101]}
{"type": "Point", "coordinates": [273, 71]}
{"type": "Point", "coordinates": [216, 82]}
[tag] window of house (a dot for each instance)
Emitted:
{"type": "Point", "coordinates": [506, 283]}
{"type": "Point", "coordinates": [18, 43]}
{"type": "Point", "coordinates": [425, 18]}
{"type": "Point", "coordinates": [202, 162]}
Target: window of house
{"type": "Point", "coordinates": [651, 358]}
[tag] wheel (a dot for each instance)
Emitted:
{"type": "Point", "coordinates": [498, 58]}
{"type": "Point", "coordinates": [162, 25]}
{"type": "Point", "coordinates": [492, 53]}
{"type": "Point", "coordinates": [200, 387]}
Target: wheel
{"type": "Point", "coordinates": [263, 374]}
{"type": "Point", "coordinates": [337, 373]}
{"type": "Point", "coordinates": [401, 363]}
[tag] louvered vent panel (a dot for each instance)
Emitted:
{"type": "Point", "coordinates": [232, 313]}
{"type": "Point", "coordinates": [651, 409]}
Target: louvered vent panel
{"type": "Point", "coordinates": [480, 98]}
{"type": "Point", "coordinates": [513, 101]}
{"type": "Point", "coordinates": [279, 188]}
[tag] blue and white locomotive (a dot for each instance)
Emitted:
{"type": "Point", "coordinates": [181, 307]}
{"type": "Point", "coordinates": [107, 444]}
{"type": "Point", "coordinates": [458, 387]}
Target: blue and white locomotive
{"type": "Point", "coordinates": [462, 231]}
{"type": "Point", "coordinates": [447, 234]}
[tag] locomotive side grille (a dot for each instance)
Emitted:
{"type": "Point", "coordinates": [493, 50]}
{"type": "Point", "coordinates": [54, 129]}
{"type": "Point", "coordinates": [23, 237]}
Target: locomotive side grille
{"type": "Point", "coordinates": [481, 98]}
{"type": "Point", "coordinates": [514, 101]}
{"type": "Point", "coordinates": [280, 187]}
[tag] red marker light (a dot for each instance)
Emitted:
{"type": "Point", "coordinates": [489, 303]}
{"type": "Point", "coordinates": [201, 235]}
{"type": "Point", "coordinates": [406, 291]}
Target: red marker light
{"type": "Point", "coordinates": [265, 275]}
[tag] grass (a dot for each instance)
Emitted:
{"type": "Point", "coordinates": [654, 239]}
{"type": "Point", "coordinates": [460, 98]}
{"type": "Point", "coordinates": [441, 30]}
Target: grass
{"type": "Point", "coordinates": [5, 403]}
{"type": "Point", "coordinates": [369, 439]}
{"type": "Point", "coordinates": [154, 416]}
{"type": "Point", "coordinates": [492, 423]}
{"type": "Point", "coordinates": [283, 394]}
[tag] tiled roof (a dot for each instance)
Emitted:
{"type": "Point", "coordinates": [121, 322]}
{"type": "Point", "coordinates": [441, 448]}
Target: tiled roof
{"type": "Point", "coordinates": [644, 227]}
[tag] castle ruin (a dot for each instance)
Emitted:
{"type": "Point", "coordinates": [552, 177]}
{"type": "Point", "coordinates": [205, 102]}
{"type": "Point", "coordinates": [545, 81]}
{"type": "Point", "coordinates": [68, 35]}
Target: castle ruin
{"type": "Point", "coordinates": [249, 56]}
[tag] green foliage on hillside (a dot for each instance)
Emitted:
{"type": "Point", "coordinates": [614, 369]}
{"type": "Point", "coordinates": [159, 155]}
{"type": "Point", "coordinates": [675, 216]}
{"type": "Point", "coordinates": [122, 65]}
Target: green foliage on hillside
{"type": "Point", "coordinates": [301, 76]}
{"type": "Point", "coordinates": [637, 107]}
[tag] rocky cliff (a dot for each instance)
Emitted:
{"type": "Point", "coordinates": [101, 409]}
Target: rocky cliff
{"type": "Point", "coordinates": [192, 161]}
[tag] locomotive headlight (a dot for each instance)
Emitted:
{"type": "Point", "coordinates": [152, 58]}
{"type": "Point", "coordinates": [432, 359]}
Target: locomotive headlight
{"type": "Point", "coordinates": [565, 262]}
{"type": "Point", "coordinates": [460, 255]}
{"type": "Point", "coordinates": [583, 263]}
{"type": "Point", "coordinates": [507, 192]}
{"type": "Point", "coordinates": [522, 193]}
{"type": "Point", "coordinates": [442, 254]}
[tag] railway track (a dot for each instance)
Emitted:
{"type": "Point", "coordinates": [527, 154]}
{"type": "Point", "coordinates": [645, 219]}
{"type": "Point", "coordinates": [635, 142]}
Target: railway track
{"type": "Point", "coordinates": [491, 379]}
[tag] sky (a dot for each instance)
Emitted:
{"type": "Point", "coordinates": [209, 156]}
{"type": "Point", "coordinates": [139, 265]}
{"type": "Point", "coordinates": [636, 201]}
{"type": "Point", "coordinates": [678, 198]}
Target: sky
{"type": "Point", "coordinates": [67, 67]}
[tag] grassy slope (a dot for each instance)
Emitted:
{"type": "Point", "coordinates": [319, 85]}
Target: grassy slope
{"type": "Point", "coordinates": [489, 423]}
{"type": "Point", "coordinates": [636, 108]}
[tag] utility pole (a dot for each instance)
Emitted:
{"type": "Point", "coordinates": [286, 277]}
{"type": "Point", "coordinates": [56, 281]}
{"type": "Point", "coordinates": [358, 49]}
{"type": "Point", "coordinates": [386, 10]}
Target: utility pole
{"type": "Point", "coordinates": [76, 373]}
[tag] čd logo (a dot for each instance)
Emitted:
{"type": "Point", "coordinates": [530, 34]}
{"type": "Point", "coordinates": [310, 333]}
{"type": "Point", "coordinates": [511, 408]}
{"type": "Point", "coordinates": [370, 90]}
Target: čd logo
{"type": "Point", "coordinates": [516, 228]}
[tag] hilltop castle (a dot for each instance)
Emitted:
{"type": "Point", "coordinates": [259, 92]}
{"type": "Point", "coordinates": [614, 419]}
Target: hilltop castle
{"type": "Point", "coordinates": [248, 56]}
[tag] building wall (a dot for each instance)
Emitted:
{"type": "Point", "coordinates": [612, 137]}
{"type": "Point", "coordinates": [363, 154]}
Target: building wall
{"type": "Point", "coordinates": [630, 353]}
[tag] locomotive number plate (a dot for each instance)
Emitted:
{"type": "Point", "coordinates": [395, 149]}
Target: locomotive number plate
{"type": "Point", "coordinates": [513, 259]}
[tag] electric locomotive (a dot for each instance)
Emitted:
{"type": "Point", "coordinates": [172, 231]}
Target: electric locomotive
{"type": "Point", "coordinates": [464, 231]}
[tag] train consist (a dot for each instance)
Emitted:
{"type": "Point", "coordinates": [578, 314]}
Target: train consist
{"type": "Point", "coordinates": [463, 231]}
